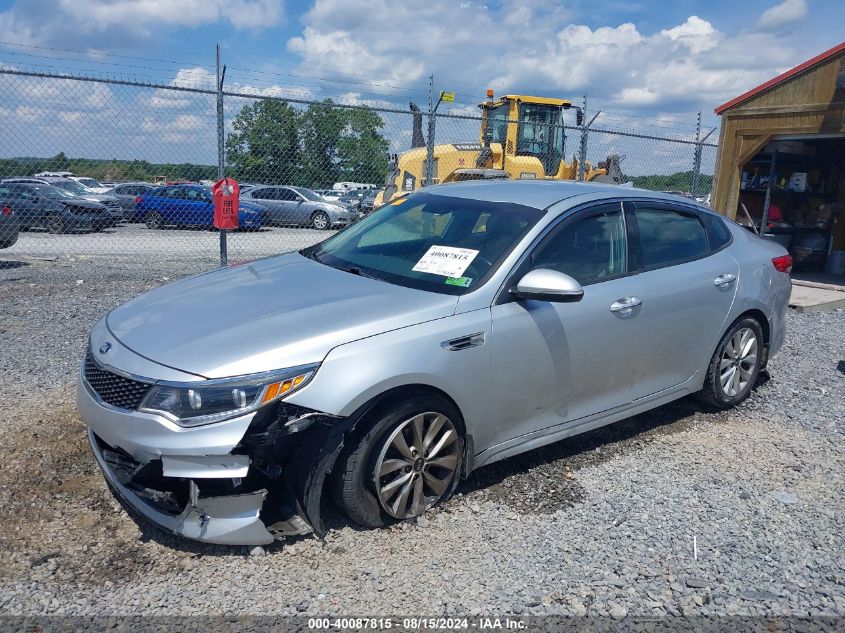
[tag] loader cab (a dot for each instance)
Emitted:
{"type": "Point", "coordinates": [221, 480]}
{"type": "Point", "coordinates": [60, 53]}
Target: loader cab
{"type": "Point", "coordinates": [527, 126]}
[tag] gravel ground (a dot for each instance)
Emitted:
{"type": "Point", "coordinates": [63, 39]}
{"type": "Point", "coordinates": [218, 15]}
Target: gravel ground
{"type": "Point", "coordinates": [678, 511]}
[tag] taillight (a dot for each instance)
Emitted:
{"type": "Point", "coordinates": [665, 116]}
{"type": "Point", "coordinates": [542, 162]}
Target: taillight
{"type": "Point", "coordinates": [7, 211]}
{"type": "Point", "coordinates": [783, 264]}
{"type": "Point", "coordinates": [138, 199]}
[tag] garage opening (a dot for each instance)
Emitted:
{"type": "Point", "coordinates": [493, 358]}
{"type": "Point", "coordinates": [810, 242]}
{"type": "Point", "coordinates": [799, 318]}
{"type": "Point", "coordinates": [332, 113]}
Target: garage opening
{"type": "Point", "coordinates": [792, 192]}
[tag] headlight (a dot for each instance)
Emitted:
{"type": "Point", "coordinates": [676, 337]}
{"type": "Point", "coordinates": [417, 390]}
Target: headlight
{"type": "Point", "coordinates": [207, 401]}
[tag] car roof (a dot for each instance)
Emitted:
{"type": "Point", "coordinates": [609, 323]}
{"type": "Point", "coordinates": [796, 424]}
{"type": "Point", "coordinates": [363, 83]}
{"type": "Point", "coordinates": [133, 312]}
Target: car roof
{"type": "Point", "coordinates": [541, 194]}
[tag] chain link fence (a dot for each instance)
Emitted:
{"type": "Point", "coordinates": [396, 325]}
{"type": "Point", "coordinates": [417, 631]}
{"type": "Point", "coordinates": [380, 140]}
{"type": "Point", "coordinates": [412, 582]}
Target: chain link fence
{"type": "Point", "coordinates": [97, 167]}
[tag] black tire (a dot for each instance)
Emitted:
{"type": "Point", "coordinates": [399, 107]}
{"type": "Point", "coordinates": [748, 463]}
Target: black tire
{"type": "Point", "coordinates": [154, 221]}
{"type": "Point", "coordinates": [713, 392]}
{"type": "Point", "coordinates": [55, 224]}
{"type": "Point", "coordinates": [354, 482]}
{"type": "Point", "coordinates": [320, 221]}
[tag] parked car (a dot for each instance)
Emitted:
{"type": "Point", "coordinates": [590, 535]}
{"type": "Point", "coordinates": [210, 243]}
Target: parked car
{"type": "Point", "coordinates": [329, 194]}
{"type": "Point", "coordinates": [39, 205]}
{"type": "Point", "coordinates": [189, 205]}
{"type": "Point", "coordinates": [466, 323]}
{"type": "Point", "coordinates": [298, 206]}
{"type": "Point", "coordinates": [9, 222]}
{"type": "Point", "coordinates": [126, 194]}
{"type": "Point", "coordinates": [367, 204]}
{"type": "Point", "coordinates": [90, 183]}
{"type": "Point", "coordinates": [78, 189]}
{"type": "Point", "coordinates": [352, 199]}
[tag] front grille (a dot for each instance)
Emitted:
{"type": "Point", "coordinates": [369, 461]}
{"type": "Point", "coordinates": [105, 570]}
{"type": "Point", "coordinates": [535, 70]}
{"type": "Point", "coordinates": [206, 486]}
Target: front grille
{"type": "Point", "coordinates": [112, 389]}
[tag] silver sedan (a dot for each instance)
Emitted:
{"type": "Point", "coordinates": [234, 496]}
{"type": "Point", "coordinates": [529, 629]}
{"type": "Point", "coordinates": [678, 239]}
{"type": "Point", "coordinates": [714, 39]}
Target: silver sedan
{"type": "Point", "coordinates": [457, 326]}
{"type": "Point", "coordinates": [298, 206]}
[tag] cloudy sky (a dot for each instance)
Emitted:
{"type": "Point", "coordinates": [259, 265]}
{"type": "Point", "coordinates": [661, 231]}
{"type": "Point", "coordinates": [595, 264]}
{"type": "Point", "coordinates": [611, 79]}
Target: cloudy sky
{"type": "Point", "coordinates": [648, 65]}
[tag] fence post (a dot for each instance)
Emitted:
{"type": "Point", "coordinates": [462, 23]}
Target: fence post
{"type": "Point", "coordinates": [429, 142]}
{"type": "Point", "coordinates": [221, 158]}
{"type": "Point", "coordinates": [582, 157]}
{"type": "Point", "coordinates": [696, 159]}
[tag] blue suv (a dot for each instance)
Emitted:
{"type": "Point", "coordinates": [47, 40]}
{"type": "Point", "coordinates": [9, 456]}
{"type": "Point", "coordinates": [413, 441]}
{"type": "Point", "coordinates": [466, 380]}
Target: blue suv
{"type": "Point", "coordinates": [189, 205]}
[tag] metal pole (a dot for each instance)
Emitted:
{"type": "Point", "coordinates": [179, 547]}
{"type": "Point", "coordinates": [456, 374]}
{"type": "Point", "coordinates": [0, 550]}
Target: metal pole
{"type": "Point", "coordinates": [429, 142]}
{"type": "Point", "coordinates": [582, 158]}
{"type": "Point", "coordinates": [696, 160]}
{"type": "Point", "coordinates": [224, 256]}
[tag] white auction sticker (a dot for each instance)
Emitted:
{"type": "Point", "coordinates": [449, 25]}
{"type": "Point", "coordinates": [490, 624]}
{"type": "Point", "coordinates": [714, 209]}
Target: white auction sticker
{"type": "Point", "coordinates": [446, 261]}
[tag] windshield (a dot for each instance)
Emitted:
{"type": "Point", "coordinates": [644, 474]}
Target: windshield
{"type": "Point", "coordinates": [540, 135]}
{"type": "Point", "coordinates": [73, 186]}
{"type": "Point", "coordinates": [429, 242]}
{"type": "Point", "coordinates": [89, 182]}
{"type": "Point", "coordinates": [497, 120]}
{"type": "Point", "coordinates": [49, 191]}
{"type": "Point", "coordinates": [307, 194]}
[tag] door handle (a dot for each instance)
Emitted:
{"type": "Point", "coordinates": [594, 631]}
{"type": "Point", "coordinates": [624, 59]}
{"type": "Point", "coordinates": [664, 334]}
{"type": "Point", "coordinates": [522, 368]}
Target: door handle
{"type": "Point", "coordinates": [625, 305]}
{"type": "Point", "coordinates": [724, 279]}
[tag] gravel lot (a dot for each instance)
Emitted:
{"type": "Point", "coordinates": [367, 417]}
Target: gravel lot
{"type": "Point", "coordinates": [678, 511]}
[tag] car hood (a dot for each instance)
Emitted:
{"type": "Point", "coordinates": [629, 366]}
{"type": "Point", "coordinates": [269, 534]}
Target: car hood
{"type": "Point", "coordinates": [269, 314]}
{"type": "Point", "coordinates": [82, 203]}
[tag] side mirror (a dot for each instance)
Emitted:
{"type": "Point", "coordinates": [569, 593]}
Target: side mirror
{"type": "Point", "coordinates": [543, 284]}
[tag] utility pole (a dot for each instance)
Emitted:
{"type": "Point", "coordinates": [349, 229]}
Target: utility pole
{"type": "Point", "coordinates": [221, 73]}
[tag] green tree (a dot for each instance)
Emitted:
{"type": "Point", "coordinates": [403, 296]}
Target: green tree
{"type": "Point", "coordinates": [321, 129]}
{"type": "Point", "coordinates": [363, 151]}
{"type": "Point", "coordinates": [264, 144]}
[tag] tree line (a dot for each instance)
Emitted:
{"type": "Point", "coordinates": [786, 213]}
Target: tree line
{"type": "Point", "coordinates": [270, 142]}
{"type": "Point", "coordinates": [274, 143]}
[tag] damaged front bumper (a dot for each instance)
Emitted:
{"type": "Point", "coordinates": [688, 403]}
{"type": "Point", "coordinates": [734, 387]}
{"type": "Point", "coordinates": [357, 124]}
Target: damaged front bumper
{"type": "Point", "coordinates": [245, 481]}
{"type": "Point", "coordinates": [228, 520]}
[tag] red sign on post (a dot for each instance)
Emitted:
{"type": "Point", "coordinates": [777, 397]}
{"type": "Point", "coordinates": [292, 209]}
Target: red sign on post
{"type": "Point", "coordinates": [225, 193]}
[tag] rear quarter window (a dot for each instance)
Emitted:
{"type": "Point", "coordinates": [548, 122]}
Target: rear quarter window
{"type": "Point", "coordinates": [668, 236]}
{"type": "Point", "coordinates": [718, 235]}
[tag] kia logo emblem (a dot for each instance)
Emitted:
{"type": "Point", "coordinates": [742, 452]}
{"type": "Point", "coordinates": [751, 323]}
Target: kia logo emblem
{"type": "Point", "coordinates": [105, 347]}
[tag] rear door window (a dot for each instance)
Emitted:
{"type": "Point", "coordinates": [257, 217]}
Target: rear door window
{"type": "Point", "coordinates": [668, 236]}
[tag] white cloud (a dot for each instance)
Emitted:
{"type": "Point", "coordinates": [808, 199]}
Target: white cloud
{"type": "Point", "coordinates": [782, 14]}
{"type": "Point", "coordinates": [103, 14]}
{"type": "Point", "coordinates": [537, 49]}
{"type": "Point", "coordinates": [71, 23]}
{"type": "Point", "coordinates": [697, 34]}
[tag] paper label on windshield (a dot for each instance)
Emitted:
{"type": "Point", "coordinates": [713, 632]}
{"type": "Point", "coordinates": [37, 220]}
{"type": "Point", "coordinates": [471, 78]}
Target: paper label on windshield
{"type": "Point", "coordinates": [446, 261]}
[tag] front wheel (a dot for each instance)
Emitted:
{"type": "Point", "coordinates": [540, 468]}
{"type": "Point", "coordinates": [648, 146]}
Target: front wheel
{"type": "Point", "coordinates": [320, 221]}
{"type": "Point", "coordinates": [153, 220]}
{"type": "Point", "coordinates": [55, 224]}
{"type": "Point", "coordinates": [735, 365]}
{"type": "Point", "coordinates": [408, 461]}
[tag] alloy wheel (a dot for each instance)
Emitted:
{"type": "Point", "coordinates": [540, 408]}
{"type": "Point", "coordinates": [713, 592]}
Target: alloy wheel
{"type": "Point", "coordinates": [739, 359]}
{"type": "Point", "coordinates": [153, 220]}
{"type": "Point", "coordinates": [320, 221]}
{"type": "Point", "coordinates": [55, 224]}
{"type": "Point", "coordinates": [417, 465]}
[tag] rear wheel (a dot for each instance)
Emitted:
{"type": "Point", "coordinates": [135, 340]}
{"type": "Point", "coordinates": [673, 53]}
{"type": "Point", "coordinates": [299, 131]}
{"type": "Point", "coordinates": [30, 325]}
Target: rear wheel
{"type": "Point", "coordinates": [735, 365]}
{"type": "Point", "coordinates": [320, 221]}
{"type": "Point", "coordinates": [55, 224]}
{"type": "Point", "coordinates": [408, 461]}
{"type": "Point", "coordinates": [153, 220]}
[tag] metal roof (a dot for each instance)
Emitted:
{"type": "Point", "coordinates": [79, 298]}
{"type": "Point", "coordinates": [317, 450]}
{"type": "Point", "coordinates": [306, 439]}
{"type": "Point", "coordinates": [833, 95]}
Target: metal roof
{"type": "Point", "coordinates": [745, 96]}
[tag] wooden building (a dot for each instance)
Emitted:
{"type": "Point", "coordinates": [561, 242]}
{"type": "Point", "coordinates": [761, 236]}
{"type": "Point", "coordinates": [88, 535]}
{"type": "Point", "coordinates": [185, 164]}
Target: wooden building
{"type": "Point", "coordinates": [782, 157]}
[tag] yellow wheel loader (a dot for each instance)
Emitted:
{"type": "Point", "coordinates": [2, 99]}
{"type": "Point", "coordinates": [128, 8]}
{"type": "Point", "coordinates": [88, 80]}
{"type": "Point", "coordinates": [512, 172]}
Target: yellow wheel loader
{"type": "Point", "coordinates": [521, 137]}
